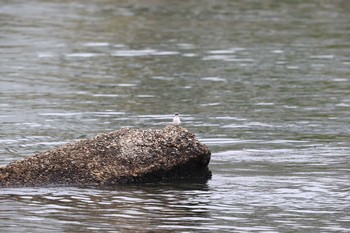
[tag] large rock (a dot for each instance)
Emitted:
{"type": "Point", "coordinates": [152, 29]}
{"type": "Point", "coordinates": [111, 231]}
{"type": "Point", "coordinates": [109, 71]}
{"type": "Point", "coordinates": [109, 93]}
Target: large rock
{"type": "Point", "coordinates": [122, 156]}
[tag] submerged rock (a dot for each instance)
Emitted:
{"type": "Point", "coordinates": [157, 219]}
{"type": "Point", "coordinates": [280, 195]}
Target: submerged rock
{"type": "Point", "coordinates": [122, 156]}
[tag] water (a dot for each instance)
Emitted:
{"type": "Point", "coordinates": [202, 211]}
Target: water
{"type": "Point", "coordinates": [265, 84]}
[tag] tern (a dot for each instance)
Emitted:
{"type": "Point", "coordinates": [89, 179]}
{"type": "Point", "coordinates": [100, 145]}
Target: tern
{"type": "Point", "coordinates": [176, 120]}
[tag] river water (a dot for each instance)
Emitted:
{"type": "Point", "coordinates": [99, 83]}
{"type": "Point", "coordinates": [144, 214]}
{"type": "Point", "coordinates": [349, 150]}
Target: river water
{"type": "Point", "coordinates": [265, 84]}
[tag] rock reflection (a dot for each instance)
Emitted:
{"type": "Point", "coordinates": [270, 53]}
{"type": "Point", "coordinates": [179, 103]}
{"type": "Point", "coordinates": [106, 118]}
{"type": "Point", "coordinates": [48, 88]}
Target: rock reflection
{"type": "Point", "coordinates": [137, 208]}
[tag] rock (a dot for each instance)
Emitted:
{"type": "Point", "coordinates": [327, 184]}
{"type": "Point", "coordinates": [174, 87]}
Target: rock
{"type": "Point", "coordinates": [122, 156]}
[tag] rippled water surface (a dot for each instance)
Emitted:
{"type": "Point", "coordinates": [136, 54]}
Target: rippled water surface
{"type": "Point", "coordinates": [265, 84]}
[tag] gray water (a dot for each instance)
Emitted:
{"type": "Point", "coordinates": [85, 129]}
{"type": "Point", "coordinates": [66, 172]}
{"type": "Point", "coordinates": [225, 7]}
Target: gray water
{"type": "Point", "coordinates": [265, 84]}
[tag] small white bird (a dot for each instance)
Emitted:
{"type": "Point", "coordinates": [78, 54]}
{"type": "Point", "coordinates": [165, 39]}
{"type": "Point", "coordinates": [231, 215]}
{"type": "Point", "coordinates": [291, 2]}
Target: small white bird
{"type": "Point", "coordinates": [176, 120]}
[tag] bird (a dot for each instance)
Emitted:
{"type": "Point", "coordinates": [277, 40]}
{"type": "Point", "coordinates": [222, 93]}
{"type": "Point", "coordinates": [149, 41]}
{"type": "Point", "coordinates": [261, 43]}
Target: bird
{"type": "Point", "coordinates": [176, 120]}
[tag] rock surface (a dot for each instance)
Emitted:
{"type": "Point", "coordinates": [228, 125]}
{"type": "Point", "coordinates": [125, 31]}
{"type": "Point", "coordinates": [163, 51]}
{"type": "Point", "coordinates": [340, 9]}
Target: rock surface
{"type": "Point", "coordinates": [122, 156]}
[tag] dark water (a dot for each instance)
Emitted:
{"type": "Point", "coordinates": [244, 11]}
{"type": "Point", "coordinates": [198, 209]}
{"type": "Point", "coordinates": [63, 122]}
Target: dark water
{"type": "Point", "coordinates": [266, 84]}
